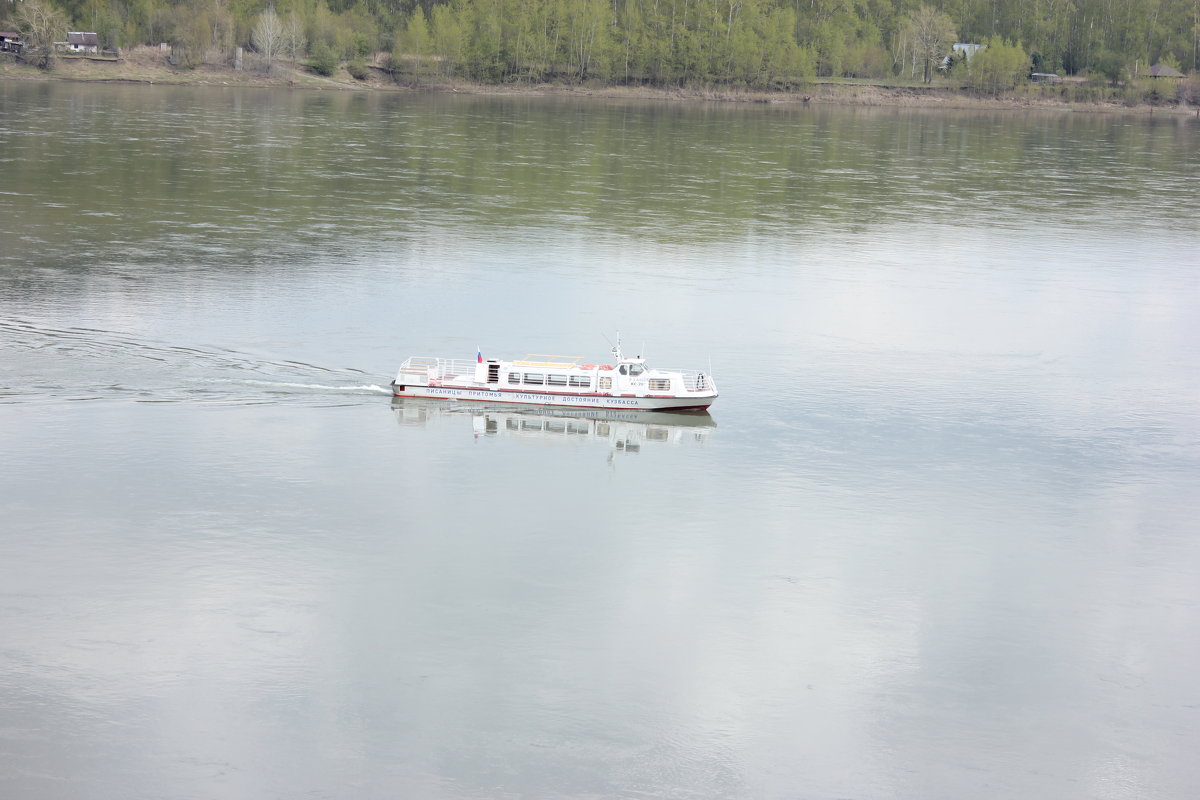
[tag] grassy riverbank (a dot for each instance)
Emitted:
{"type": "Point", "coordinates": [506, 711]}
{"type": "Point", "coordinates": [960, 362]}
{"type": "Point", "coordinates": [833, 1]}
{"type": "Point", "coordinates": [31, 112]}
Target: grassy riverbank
{"type": "Point", "coordinates": [151, 66]}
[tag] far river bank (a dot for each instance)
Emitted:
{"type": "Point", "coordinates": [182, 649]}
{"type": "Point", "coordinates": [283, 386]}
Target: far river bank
{"type": "Point", "coordinates": [151, 67]}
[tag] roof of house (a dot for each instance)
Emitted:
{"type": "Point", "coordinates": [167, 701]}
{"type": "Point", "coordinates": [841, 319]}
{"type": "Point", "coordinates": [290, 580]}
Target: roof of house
{"type": "Point", "coordinates": [82, 37]}
{"type": "Point", "coordinates": [1163, 71]}
{"type": "Point", "coordinates": [9, 35]}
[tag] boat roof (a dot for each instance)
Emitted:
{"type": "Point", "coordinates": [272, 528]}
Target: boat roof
{"type": "Point", "coordinates": [543, 360]}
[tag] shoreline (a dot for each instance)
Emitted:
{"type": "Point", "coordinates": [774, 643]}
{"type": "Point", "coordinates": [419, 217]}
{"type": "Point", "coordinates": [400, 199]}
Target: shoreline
{"type": "Point", "coordinates": [152, 69]}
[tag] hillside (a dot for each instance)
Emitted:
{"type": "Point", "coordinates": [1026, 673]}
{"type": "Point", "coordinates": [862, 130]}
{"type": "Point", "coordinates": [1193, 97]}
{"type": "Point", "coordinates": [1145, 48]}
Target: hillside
{"type": "Point", "coordinates": [151, 66]}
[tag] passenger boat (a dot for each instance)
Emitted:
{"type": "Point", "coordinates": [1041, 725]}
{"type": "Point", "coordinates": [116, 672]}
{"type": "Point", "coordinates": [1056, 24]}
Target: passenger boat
{"type": "Point", "coordinates": [545, 380]}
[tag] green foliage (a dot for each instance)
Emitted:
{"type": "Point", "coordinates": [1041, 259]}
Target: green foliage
{"type": "Point", "coordinates": [358, 70]}
{"type": "Point", "coordinates": [999, 67]}
{"type": "Point", "coordinates": [1109, 65]}
{"type": "Point", "coordinates": [415, 40]}
{"type": "Point", "coordinates": [355, 34]}
{"type": "Point", "coordinates": [449, 38]}
{"type": "Point", "coordinates": [866, 59]}
{"type": "Point", "coordinates": [483, 51]}
{"type": "Point", "coordinates": [322, 60]}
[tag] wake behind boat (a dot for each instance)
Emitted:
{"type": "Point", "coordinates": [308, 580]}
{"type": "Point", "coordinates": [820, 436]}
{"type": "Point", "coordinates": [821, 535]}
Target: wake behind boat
{"type": "Point", "coordinates": [545, 380]}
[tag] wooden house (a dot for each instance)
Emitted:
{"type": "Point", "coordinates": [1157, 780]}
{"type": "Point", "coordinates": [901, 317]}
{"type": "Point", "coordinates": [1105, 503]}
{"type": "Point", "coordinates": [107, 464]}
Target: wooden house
{"type": "Point", "coordinates": [82, 42]}
{"type": "Point", "coordinates": [1163, 71]}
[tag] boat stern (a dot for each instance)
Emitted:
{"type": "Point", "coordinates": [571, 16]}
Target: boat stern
{"type": "Point", "coordinates": [414, 372]}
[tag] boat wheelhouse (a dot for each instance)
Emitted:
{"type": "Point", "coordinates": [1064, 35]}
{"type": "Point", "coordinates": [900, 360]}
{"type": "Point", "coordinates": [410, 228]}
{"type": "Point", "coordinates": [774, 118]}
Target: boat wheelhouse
{"type": "Point", "coordinates": [546, 380]}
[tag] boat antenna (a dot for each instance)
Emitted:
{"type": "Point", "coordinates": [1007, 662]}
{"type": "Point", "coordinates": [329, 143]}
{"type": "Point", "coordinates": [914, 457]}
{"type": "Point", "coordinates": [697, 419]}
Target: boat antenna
{"type": "Point", "coordinates": [617, 347]}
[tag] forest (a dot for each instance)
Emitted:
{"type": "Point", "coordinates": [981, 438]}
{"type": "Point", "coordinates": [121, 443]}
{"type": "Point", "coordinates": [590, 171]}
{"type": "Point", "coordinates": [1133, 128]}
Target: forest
{"type": "Point", "coordinates": [752, 43]}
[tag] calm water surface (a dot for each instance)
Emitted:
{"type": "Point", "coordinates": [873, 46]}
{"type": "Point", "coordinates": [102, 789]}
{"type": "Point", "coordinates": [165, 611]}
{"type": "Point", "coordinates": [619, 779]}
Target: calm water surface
{"type": "Point", "coordinates": [937, 539]}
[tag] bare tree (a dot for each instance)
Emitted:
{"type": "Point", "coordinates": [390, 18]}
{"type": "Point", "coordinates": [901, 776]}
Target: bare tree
{"type": "Point", "coordinates": [41, 25]}
{"type": "Point", "coordinates": [293, 37]}
{"type": "Point", "coordinates": [931, 33]}
{"type": "Point", "coordinates": [268, 35]}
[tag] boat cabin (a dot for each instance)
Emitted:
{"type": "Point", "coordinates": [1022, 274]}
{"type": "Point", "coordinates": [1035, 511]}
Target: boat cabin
{"type": "Point", "coordinates": [546, 373]}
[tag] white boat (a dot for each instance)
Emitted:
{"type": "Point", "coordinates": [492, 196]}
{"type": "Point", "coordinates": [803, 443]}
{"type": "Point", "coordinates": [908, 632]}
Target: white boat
{"type": "Point", "coordinates": [544, 380]}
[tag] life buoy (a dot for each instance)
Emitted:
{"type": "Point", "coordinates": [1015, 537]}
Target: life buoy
{"type": "Point", "coordinates": [606, 366]}
{"type": "Point", "coordinates": [587, 366]}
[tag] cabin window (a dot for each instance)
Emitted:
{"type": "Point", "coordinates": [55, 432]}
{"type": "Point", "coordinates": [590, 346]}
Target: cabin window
{"type": "Point", "coordinates": [514, 377]}
{"type": "Point", "coordinates": [606, 382]}
{"type": "Point", "coordinates": [623, 369]}
{"type": "Point", "coordinates": [581, 380]}
{"type": "Point", "coordinates": [535, 378]}
{"type": "Point", "coordinates": [660, 384]}
{"type": "Point", "coordinates": [636, 369]}
{"type": "Point", "coordinates": [556, 380]}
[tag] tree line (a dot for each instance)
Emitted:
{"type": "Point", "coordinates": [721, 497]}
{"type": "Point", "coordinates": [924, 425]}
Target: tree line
{"type": "Point", "coordinates": [753, 43]}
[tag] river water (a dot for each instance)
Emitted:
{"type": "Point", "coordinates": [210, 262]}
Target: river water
{"type": "Point", "coordinates": [937, 539]}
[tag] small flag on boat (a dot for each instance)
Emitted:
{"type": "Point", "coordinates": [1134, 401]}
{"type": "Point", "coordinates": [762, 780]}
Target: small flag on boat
{"type": "Point", "coordinates": [478, 356]}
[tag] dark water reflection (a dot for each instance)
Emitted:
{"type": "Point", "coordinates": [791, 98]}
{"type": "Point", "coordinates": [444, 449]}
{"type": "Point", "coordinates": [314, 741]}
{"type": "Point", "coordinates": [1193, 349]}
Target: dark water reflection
{"type": "Point", "coordinates": [936, 540]}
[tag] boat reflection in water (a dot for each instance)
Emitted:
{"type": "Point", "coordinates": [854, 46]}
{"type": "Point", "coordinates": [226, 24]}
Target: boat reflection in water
{"type": "Point", "coordinates": [624, 431]}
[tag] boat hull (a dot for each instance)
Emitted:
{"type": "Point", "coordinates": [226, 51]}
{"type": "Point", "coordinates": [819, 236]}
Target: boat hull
{"type": "Point", "coordinates": [691, 402]}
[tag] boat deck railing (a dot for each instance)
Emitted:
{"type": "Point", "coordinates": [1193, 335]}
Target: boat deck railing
{"type": "Point", "coordinates": [696, 381]}
{"type": "Point", "coordinates": [439, 369]}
